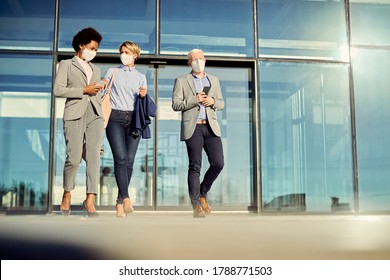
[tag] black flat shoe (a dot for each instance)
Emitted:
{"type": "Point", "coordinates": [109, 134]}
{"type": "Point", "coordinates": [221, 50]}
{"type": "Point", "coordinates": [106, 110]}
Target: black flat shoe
{"type": "Point", "coordinates": [90, 214]}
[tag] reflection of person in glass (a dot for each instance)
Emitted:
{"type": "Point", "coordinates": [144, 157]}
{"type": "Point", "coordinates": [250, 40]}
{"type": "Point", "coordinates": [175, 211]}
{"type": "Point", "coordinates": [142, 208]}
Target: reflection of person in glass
{"type": "Point", "coordinates": [198, 96]}
{"type": "Point", "coordinates": [128, 84]}
{"type": "Point", "coordinates": [77, 80]}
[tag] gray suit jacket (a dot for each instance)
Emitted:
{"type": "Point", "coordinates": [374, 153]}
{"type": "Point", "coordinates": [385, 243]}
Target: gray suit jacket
{"type": "Point", "coordinates": [69, 83]}
{"type": "Point", "coordinates": [184, 100]}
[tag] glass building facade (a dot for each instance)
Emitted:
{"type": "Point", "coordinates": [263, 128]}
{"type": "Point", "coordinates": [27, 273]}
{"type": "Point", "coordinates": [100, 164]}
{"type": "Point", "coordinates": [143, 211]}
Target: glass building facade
{"type": "Point", "coordinates": [307, 101]}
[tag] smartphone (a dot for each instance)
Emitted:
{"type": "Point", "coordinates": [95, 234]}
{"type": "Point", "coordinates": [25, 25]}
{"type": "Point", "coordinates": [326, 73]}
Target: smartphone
{"type": "Point", "coordinates": [206, 90]}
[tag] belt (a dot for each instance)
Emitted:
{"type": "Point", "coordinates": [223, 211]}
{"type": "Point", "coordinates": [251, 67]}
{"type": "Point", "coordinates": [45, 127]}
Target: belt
{"type": "Point", "coordinates": [201, 122]}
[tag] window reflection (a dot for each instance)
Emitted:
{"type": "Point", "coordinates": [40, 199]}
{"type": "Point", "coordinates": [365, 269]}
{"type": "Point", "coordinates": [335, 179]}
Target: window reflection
{"type": "Point", "coordinates": [117, 22]}
{"type": "Point", "coordinates": [25, 94]}
{"type": "Point", "coordinates": [222, 27]}
{"type": "Point", "coordinates": [27, 25]}
{"type": "Point", "coordinates": [370, 21]}
{"type": "Point", "coordinates": [372, 101]}
{"type": "Point", "coordinates": [305, 137]}
{"type": "Point", "coordinates": [303, 28]}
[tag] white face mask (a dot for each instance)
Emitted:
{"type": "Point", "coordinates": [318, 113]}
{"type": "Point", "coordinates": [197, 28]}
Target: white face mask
{"type": "Point", "coordinates": [127, 59]}
{"type": "Point", "coordinates": [198, 65]}
{"type": "Point", "coordinates": [88, 55]}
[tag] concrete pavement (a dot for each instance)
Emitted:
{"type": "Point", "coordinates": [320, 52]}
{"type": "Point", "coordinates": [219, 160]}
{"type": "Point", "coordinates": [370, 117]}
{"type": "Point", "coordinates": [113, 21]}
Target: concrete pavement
{"type": "Point", "coordinates": [176, 235]}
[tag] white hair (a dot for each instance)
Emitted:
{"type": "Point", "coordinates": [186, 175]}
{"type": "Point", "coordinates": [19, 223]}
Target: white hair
{"type": "Point", "coordinates": [192, 51]}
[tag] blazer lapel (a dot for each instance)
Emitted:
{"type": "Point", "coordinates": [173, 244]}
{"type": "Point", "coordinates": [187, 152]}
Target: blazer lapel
{"type": "Point", "coordinates": [191, 83]}
{"type": "Point", "coordinates": [95, 76]}
{"type": "Point", "coordinates": [211, 85]}
{"type": "Point", "coordinates": [78, 65]}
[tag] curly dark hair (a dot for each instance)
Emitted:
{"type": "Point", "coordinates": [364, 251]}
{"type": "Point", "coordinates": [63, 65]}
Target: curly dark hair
{"type": "Point", "coordinates": [85, 36]}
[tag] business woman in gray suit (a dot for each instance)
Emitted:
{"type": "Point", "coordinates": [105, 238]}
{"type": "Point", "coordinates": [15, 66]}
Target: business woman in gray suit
{"type": "Point", "coordinates": [76, 81]}
{"type": "Point", "coordinates": [198, 96]}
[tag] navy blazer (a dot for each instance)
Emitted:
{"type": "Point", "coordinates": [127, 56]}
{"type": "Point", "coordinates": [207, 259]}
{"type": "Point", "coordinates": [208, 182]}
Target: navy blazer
{"type": "Point", "coordinates": [144, 108]}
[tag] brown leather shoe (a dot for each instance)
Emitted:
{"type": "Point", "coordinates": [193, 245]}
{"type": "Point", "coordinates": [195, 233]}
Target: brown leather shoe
{"type": "Point", "coordinates": [198, 212]}
{"type": "Point", "coordinates": [127, 205]}
{"type": "Point", "coordinates": [205, 206]}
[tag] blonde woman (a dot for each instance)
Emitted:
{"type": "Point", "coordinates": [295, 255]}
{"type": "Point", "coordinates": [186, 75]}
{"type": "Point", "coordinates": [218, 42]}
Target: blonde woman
{"type": "Point", "coordinates": [128, 85]}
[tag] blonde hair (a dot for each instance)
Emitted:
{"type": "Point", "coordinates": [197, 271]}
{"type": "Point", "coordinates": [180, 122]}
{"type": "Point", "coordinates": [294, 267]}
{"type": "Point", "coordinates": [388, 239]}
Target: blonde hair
{"type": "Point", "coordinates": [131, 46]}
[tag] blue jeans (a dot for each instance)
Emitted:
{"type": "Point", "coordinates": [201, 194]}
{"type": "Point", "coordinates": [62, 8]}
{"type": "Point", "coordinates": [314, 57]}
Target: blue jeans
{"type": "Point", "coordinates": [124, 148]}
{"type": "Point", "coordinates": [203, 138]}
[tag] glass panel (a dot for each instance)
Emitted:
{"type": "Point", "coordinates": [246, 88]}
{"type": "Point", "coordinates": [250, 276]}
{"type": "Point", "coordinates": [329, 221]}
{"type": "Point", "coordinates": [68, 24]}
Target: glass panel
{"type": "Point", "coordinates": [26, 24]}
{"type": "Point", "coordinates": [306, 150]}
{"type": "Point", "coordinates": [117, 22]}
{"type": "Point", "coordinates": [303, 28]}
{"type": "Point", "coordinates": [370, 21]}
{"type": "Point", "coordinates": [219, 27]}
{"type": "Point", "coordinates": [372, 101]}
{"type": "Point", "coordinates": [234, 185]}
{"type": "Point", "coordinates": [140, 188]}
{"type": "Point", "coordinates": [25, 94]}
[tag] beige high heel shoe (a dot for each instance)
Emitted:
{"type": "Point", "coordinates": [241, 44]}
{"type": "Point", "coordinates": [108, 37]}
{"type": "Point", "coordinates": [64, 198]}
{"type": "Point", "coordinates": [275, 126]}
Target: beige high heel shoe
{"type": "Point", "coordinates": [120, 211]}
{"type": "Point", "coordinates": [127, 205]}
{"type": "Point", "coordinates": [65, 210]}
{"type": "Point", "coordinates": [89, 207]}
{"type": "Point", "coordinates": [91, 214]}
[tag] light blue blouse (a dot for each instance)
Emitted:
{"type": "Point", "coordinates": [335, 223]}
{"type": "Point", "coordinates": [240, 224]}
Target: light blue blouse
{"type": "Point", "coordinates": [125, 86]}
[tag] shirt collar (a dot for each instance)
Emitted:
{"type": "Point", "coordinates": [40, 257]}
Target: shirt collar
{"type": "Point", "coordinates": [126, 68]}
{"type": "Point", "coordinates": [81, 61]}
{"type": "Point", "coordinates": [195, 77]}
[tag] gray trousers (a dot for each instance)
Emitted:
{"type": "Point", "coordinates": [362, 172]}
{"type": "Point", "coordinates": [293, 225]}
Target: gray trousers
{"type": "Point", "coordinates": [89, 129]}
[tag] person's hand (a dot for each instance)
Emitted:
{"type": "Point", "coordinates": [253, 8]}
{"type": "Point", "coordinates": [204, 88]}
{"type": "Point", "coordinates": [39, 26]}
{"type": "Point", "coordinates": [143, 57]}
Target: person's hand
{"type": "Point", "coordinates": [208, 101]}
{"type": "Point", "coordinates": [91, 89]}
{"type": "Point", "coordinates": [142, 92]}
{"type": "Point", "coordinates": [105, 83]}
{"type": "Point", "coordinates": [201, 97]}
